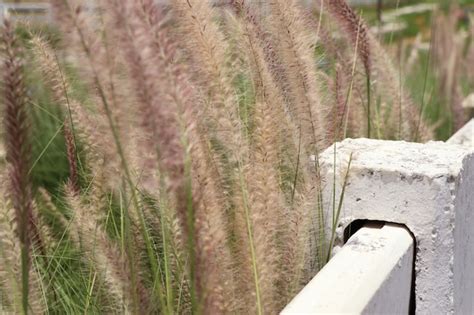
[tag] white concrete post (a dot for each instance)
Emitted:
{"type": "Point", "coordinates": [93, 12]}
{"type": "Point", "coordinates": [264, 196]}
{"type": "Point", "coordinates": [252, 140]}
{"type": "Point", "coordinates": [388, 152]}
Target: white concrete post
{"type": "Point", "coordinates": [429, 188]}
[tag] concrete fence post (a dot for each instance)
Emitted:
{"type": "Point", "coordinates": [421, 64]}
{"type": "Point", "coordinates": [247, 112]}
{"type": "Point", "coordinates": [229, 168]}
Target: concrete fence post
{"type": "Point", "coordinates": [429, 188]}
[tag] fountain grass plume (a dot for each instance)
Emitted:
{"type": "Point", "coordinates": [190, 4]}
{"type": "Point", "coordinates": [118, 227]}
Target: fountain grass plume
{"type": "Point", "coordinates": [11, 268]}
{"type": "Point", "coordinates": [356, 28]}
{"type": "Point", "coordinates": [295, 47]}
{"type": "Point", "coordinates": [15, 108]}
{"type": "Point", "coordinates": [71, 153]}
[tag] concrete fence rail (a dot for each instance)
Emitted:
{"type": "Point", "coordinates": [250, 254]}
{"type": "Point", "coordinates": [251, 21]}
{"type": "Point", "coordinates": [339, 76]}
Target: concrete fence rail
{"type": "Point", "coordinates": [426, 188]}
{"type": "Point", "coordinates": [375, 266]}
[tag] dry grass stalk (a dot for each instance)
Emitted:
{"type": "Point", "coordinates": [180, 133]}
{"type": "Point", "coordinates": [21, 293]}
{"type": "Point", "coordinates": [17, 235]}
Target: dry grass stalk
{"type": "Point", "coordinates": [157, 51]}
{"type": "Point", "coordinates": [200, 215]}
{"type": "Point", "coordinates": [98, 61]}
{"type": "Point", "coordinates": [356, 29]}
{"type": "Point", "coordinates": [295, 47]}
{"type": "Point", "coordinates": [268, 142]}
{"type": "Point", "coordinates": [262, 62]}
{"type": "Point", "coordinates": [447, 51]}
{"type": "Point", "coordinates": [409, 125]}
{"type": "Point", "coordinates": [71, 153]}
{"type": "Point", "coordinates": [16, 123]}
{"type": "Point", "coordinates": [18, 152]}
{"type": "Point", "coordinates": [84, 123]}
{"type": "Point", "coordinates": [214, 260]}
{"type": "Point", "coordinates": [213, 69]}
{"type": "Point", "coordinates": [268, 210]}
{"type": "Point", "coordinates": [11, 264]}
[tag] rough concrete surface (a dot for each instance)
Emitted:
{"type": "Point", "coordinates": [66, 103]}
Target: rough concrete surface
{"type": "Point", "coordinates": [427, 187]}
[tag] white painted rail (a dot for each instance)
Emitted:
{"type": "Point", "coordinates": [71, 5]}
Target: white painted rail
{"type": "Point", "coordinates": [31, 11]}
{"type": "Point", "coordinates": [371, 274]}
{"type": "Point", "coordinates": [41, 11]}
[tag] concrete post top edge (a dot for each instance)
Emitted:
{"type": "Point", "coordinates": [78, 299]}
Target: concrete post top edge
{"type": "Point", "coordinates": [431, 159]}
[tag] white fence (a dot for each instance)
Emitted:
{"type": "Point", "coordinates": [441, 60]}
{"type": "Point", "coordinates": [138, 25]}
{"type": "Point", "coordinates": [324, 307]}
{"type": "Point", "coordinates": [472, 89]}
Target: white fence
{"type": "Point", "coordinates": [41, 11]}
{"type": "Point", "coordinates": [372, 274]}
{"type": "Point", "coordinates": [30, 11]}
{"type": "Point", "coordinates": [428, 189]}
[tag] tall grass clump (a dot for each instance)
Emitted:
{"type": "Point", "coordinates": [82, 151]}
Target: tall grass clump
{"type": "Point", "coordinates": [186, 133]}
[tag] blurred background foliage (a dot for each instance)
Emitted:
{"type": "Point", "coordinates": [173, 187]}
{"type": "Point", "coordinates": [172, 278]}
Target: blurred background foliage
{"type": "Point", "coordinates": [429, 41]}
{"type": "Point", "coordinates": [432, 43]}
